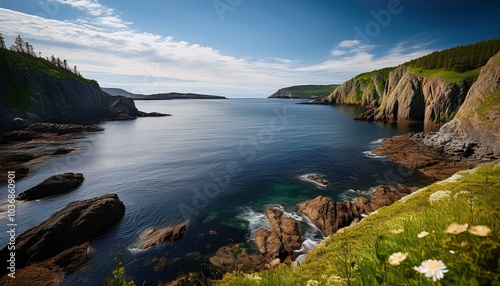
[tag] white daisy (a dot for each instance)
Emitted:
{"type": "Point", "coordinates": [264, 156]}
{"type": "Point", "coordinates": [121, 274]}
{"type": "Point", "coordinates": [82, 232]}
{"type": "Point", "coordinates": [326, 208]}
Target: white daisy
{"type": "Point", "coordinates": [432, 268]}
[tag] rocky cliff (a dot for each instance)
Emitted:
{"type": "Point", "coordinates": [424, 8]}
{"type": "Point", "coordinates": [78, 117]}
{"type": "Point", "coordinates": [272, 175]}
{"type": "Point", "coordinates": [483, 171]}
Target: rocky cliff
{"type": "Point", "coordinates": [39, 91]}
{"type": "Point", "coordinates": [397, 94]}
{"type": "Point", "coordinates": [471, 138]}
{"type": "Point", "coordinates": [478, 119]}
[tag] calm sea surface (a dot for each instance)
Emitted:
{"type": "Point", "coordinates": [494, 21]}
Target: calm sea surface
{"type": "Point", "coordinates": [216, 163]}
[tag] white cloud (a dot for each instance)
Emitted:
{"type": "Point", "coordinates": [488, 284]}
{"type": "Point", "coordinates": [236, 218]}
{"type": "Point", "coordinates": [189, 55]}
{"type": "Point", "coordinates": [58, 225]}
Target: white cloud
{"type": "Point", "coordinates": [108, 49]}
{"type": "Point", "coordinates": [91, 7]}
{"type": "Point", "coordinates": [355, 57]}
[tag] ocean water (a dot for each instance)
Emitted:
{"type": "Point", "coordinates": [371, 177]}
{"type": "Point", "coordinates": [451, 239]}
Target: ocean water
{"type": "Point", "coordinates": [216, 163]}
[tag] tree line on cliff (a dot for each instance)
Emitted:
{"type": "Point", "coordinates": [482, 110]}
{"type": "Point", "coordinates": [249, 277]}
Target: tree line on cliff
{"type": "Point", "coordinates": [461, 58]}
{"type": "Point", "coordinates": [22, 46]}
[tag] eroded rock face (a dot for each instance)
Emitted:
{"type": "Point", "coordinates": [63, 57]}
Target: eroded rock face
{"type": "Point", "coordinates": [71, 226]}
{"type": "Point", "coordinates": [330, 216]}
{"type": "Point", "coordinates": [401, 96]}
{"type": "Point", "coordinates": [153, 236]}
{"type": "Point", "coordinates": [283, 238]}
{"type": "Point", "coordinates": [478, 118]}
{"type": "Point", "coordinates": [55, 185]}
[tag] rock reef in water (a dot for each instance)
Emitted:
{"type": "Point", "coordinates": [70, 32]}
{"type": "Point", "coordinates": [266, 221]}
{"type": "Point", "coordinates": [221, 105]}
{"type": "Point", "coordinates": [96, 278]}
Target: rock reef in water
{"type": "Point", "coordinates": [282, 239]}
{"type": "Point", "coordinates": [70, 227]}
{"type": "Point", "coordinates": [153, 236]}
{"type": "Point", "coordinates": [330, 216]}
{"type": "Point", "coordinates": [55, 185]}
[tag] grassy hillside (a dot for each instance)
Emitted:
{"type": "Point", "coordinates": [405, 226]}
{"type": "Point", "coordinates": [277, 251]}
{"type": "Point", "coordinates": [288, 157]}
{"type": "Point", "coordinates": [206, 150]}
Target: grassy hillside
{"type": "Point", "coordinates": [454, 222]}
{"type": "Point", "coordinates": [27, 63]}
{"type": "Point", "coordinates": [311, 91]}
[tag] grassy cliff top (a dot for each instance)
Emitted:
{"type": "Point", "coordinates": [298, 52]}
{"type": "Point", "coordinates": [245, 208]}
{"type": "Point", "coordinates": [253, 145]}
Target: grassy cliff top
{"type": "Point", "coordinates": [24, 62]}
{"type": "Point", "coordinates": [453, 222]}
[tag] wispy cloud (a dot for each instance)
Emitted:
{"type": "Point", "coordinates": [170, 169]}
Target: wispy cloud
{"type": "Point", "coordinates": [109, 49]}
{"type": "Point", "coordinates": [354, 56]}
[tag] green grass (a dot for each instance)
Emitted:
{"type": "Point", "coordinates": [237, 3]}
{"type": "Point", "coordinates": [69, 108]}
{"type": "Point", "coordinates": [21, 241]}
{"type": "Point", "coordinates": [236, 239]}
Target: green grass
{"type": "Point", "coordinates": [448, 76]}
{"type": "Point", "coordinates": [491, 104]}
{"type": "Point", "coordinates": [311, 91]}
{"type": "Point", "coordinates": [26, 63]}
{"type": "Point", "coordinates": [359, 255]}
{"type": "Point", "coordinates": [368, 75]}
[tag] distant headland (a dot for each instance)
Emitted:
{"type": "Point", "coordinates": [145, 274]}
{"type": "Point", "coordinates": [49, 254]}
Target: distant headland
{"type": "Point", "coordinates": [159, 96]}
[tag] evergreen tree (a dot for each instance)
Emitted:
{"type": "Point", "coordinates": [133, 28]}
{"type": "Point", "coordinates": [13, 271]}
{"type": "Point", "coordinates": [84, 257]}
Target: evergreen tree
{"type": "Point", "coordinates": [18, 44]}
{"type": "Point", "coordinates": [2, 41]}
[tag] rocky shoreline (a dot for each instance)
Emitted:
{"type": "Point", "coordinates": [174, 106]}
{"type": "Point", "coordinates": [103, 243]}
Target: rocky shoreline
{"type": "Point", "coordinates": [436, 154]}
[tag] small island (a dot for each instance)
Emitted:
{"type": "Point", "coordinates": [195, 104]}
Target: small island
{"type": "Point", "coordinates": [314, 178]}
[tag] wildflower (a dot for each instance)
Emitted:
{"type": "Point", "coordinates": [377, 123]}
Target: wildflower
{"type": "Point", "coordinates": [312, 282]}
{"type": "Point", "coordinates": [432, 268]}
{"type": "Point", "coordinates": [480, 230]}
{"type": "Point", "coordinates": [456, 228]}
{"type": "Point", "coordinates": [398, 257]}
{"type": "Point", "coordinates": [422, 234]}
{"type": "Point", "coordinates": [397, 231]}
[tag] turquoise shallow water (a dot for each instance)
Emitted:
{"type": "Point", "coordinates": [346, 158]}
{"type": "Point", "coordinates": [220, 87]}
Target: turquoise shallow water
{"type": "Point", "coordinates": [216, 163]}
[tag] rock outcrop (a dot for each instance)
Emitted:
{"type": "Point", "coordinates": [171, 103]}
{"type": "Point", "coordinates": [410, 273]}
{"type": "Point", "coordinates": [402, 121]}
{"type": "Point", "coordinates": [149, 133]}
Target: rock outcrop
{"type": "Point", "coordinates": [51, 271]}
{"type": "Point", "coordinates": [330, 216]}
{"type": "Point", "coordinates": [153, 236]}
{"type": "Point", "coordinates": [398, 95]}
{"type": "Point", "coordinates": [75, 224]}
{"type": "Point", "coordinates": [55, 185]}
{"type": "Point", "coordinates": [282, 239]}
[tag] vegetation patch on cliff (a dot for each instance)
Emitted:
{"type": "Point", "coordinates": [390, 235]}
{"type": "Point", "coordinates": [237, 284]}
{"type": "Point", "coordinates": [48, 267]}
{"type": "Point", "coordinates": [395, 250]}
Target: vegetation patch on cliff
{"type": "Point", "coordinates": [447, 232]}
{"type": "Point", "coordinates": [447, 75]}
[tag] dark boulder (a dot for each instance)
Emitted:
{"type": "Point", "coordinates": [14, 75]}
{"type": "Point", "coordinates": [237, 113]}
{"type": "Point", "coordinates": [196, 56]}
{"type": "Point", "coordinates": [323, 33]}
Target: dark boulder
{"type": "Point", "coordinates": [75, 224]}
{"type": "Point", "coordinates": [55, 185]}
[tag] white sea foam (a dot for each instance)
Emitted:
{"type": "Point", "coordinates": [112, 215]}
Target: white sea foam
{"type": "Point", "coordinates": [370, 154]}
{"type": "Point", "coordinates": [255, 220]}
{"type": "Point", "coordinates": [376, 141]}
{"type": "Point", "coordinates": [135, 250]}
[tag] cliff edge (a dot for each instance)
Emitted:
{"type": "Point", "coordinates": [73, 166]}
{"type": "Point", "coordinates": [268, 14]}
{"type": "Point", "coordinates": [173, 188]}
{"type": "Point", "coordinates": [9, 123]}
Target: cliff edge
{"type": "Point", "coordinates": [37, 90]}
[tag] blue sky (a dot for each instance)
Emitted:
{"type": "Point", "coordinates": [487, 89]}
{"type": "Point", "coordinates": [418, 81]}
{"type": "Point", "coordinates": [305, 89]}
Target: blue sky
{"type": "Point", "coordinates": [241, 48]}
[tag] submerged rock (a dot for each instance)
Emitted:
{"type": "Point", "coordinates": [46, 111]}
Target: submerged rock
{"type": "Point", "coordinates": [236, 258]}
{"type": "Point", "coordinates": [55, 185]}
{"type": "Point", "coordinates": [153, 236]}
